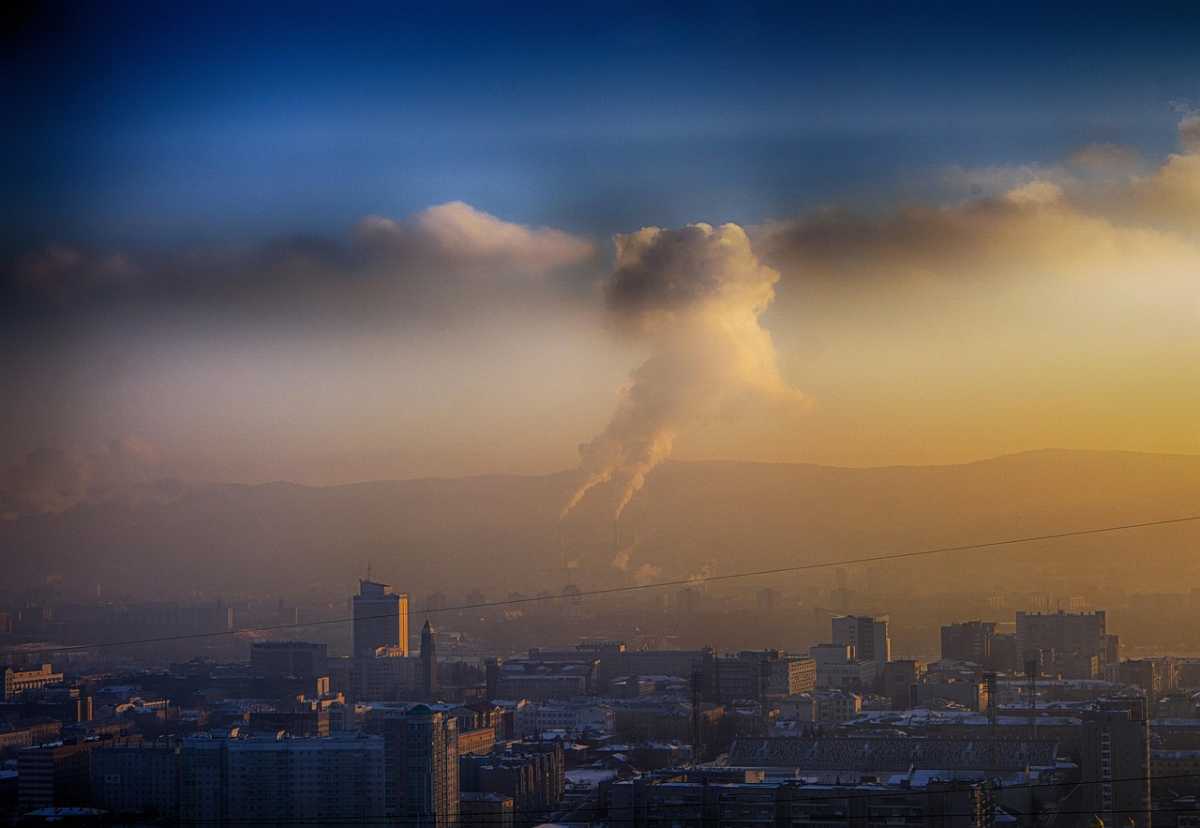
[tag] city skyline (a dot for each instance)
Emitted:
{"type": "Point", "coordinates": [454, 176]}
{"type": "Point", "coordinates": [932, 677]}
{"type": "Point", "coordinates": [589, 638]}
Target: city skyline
{"type": "Point", "coordinates": [615, 415]}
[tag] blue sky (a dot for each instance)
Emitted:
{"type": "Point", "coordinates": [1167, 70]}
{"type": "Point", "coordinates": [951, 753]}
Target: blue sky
{"type": "Point", "coordinates": [140, 124]}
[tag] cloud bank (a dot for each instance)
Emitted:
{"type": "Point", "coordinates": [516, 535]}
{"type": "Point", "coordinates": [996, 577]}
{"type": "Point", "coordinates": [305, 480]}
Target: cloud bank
{"type": "Point", "coordinates": [441, 258]}
{"type": "Point", "coordinates": [1047, 223]}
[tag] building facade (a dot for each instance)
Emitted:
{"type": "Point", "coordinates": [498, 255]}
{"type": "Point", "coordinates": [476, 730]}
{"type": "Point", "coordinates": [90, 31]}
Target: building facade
{"type": "Point", "coordinates": [380, 619]}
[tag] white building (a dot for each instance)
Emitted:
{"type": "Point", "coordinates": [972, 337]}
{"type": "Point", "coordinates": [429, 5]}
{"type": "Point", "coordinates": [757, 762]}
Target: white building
{"type": "Point", "coordinates": [569, 716]}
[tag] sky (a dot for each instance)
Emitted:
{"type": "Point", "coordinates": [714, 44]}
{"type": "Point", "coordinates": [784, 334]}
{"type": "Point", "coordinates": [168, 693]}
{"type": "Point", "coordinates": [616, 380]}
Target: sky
{"type": "Point", "coordinates": [333, 243]}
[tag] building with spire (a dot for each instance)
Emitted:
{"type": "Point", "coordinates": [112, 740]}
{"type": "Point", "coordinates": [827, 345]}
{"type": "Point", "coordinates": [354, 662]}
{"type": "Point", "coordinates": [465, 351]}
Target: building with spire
{"type": "Point", "coordinates": [429, 660]}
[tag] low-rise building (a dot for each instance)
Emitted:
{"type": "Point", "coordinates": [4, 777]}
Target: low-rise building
{"type": "Point", "coordinates": [18, 681]}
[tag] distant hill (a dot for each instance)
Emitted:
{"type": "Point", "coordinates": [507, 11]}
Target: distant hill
{"type": "Point", "coordinates": [502, 533]}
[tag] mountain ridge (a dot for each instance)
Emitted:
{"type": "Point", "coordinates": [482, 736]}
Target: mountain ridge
{"type": "Point", "coordinates": [691, 517]}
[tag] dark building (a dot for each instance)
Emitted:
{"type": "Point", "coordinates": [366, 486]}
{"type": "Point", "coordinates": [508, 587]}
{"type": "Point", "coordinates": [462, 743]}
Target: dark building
{"type": "Point", "coordinates": [868, 635]}
{"type": "Point", "coordinates": [1006, 656]}
{"type": "Point", "coordinates": [1154, 676]}
{"type": "Point", "coordinates": [900, 680]}
{"type": "Point", "coordinates": [421, 787]}
{"type": "Point", "coordinates": [492, 677]}
{"type": "Point", "coordinates": [54, 775]}
{"type": "Point", "coordinates": [872, 755]}
{"type": "Point", "coordinates": [486, 810]}
{"type": "Point", "coordinates": [300, 721]}
{"type": "Point", "coordinates": [544, 675]}
{"type": "Point", "coordinates": [429, 665]}
{"type": "Point", "coordinates": [969, 641]}
{"type": "Point", "coordinates": [137, 779]}
{"type": "Point", "coordinates": [264, 780]}
{"type": "Point", "coordinates": [306, 659]}
{"type": "Point", "coordinates": [64, 704]}
{"type": "Point", "coordinates": [533, 775]}
{"type": "Point", "coordinates": [1079, 639]}
{"type": "Point", "coordinates": [380, 619]}
{"type": "Point", "coordinates": [675, 803]}
{"type": "Point", "coordinates": [1115, 762]}
{"type": "Point", "coordinates": [755, 675]}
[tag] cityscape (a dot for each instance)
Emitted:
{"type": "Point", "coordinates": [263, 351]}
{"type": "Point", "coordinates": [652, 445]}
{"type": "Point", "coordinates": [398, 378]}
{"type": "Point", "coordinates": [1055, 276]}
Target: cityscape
{"type": "Point", "coordinates": [600, 415]}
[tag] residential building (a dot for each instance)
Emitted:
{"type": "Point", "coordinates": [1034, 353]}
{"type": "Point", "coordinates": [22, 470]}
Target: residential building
{"type": "Point", "coordinates": [533, 774]}
{"type": "Point", "coordinates": [679, 801]}
{"type": "Point", "coordinates": [138, 779]}
{"type": "Point", "coordinates": [281, 780]}
{"type": "Point", "coordinates": [486, 810]}
{"type": "Point", "coordinates": [868, 635]}
{"type": "Point", "coordinates": [1079, 639]}
{"type": "Point", "coordinates": [1115, 763]}
{"type": "Point", "coordinates": [969, 641]}
{"type": "Point", "coordinates": [305, 659]}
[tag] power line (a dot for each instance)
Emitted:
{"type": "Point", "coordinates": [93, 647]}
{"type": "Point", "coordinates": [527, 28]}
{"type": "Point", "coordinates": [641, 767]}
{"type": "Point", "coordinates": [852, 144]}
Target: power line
{"type": "Point", "coordinates": [896, 556]}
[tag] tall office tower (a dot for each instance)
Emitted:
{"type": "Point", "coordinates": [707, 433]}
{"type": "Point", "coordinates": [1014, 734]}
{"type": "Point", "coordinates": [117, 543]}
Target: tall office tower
{"type": "Point", "coordinates": [1115, 760]}
{"type": "Point", "coordinates": [428, 771]}
{"type": "Point", "coordinates": [428, 661]}
{"type": "Point", "coordinates": [380, 619]}
{"type": "Point", "coordinates": [868, 635]}
{"type": "Point", "coordinates": [969, 641]}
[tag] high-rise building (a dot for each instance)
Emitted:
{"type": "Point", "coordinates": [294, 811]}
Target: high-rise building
{"type": "Point", "coordinates": [429, 667]}
{"type": "Point", "coordinates": [756, 675]}
{"type": "Point", "coordinates": [380, 619]}
{"type": "Point", "coordinates": [1078, 636]}
{"type": "Point", "coordinates": [270, 780]}
{"type": "Point", "coordinates": [421, 755]}
{"type": "Point", "coordinates": [53, 775]}
{"type": "Point", "coordinates": [1115, 761]}
{"type": "Point", "coordinates": [431, 782]}
{"type": "Point", "coordinates": [868, 635]}
{"type": "Point", "coordinates": [533, 774]}
{"type": "Point", "coordinates": [969, 641]}
{"type": "Point", "coordinates": [900, 678]}
{"type": "Point", "coordinates": [137, 779]}
{"type": "Point", "coordinates": [306, 659]}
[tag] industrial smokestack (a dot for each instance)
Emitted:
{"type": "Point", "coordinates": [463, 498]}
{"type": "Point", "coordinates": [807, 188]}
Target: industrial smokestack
{"type": "Point", "coordinates": [695, 296]}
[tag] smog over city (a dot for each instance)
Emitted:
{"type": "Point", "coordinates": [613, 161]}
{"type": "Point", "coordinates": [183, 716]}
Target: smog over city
{"type": "Point", "coordinates": [673, 408]}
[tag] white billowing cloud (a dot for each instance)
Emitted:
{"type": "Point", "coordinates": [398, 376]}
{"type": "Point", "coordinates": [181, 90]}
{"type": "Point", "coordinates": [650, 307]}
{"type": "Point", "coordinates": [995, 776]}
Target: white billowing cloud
{"type": "Point", "coordinates": [457, 235]}
{"type": "Point", "coordinates": [696, 295]}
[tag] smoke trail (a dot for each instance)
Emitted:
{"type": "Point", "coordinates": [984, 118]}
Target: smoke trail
{"type": "Point", "coordinates": [696, 295]}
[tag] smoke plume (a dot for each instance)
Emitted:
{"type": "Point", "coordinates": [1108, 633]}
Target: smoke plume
{"type": "Point", "coordinates": [695, 295]}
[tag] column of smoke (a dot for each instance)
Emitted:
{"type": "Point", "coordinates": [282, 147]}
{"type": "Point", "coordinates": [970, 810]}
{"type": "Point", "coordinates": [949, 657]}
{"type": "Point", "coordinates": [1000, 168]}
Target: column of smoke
{"type": "Point", "coordinates": [694, 295]}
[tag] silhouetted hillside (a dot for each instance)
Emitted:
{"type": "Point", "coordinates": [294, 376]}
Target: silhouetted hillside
{"type": "Point", "coordinates": [502, 533]}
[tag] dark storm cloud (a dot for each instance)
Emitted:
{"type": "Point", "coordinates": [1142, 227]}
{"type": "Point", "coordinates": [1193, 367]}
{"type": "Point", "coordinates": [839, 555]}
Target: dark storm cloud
{"type": "Point", "coordinates": [448, 257]}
